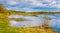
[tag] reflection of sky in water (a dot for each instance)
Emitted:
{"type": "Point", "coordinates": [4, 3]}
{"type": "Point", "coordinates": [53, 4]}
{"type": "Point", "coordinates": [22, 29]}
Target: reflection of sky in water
{"type": "Point", "coordinates": [33, 21]}
{"type": "Point", "coordinates": [54, 22]}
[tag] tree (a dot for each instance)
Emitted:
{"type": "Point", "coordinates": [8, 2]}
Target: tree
{"type": "Point", "coordinates": [2, 8]}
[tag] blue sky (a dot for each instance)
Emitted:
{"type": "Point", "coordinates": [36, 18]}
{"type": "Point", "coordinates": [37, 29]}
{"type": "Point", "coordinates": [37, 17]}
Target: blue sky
{"type": "Point", "coordinates": [32, 5]}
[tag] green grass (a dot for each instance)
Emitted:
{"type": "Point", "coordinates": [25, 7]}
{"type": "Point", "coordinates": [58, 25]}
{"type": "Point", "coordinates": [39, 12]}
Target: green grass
{"type": "Point", "coordinates": [4, 28]}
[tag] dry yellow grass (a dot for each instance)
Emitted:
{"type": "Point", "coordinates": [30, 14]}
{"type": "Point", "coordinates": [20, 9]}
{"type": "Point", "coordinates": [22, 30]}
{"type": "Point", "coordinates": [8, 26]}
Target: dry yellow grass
{"type": "Point", "coordinates": [34, 30]}
{"type": "Point", "coordinates": [3, 16]}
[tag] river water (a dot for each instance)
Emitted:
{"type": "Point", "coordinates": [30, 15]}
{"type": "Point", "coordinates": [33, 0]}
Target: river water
{"type": "Point", "coordinates": [37, 20]}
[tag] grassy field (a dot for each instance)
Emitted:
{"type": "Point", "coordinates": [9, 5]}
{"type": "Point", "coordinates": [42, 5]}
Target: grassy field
{"type": "Point", "coordinates": [5, 28]}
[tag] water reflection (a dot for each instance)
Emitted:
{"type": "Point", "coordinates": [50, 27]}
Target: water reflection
{"type": "Point", "coordinates": [30, 21]}
{"type": "Point", "coordinates": [36, 21]}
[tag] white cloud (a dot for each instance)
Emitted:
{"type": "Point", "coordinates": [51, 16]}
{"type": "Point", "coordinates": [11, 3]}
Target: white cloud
{"type": "Point", "coordinates": [28, 5]}
{"type": "Point", "coordinates": [58, 5]}
{"type": "Point", "coordinates": [48, 3]}
{"type": "Point", "coordinates": [11, 2]}
{"type": "Point", "coordinates": [45, 3]}
{"type": "Point", "coordinates": [48, 0]}
{"type": "Point", "coordinates": [54, 4]}
{"type": "Point", "coordinates": [38, 3]}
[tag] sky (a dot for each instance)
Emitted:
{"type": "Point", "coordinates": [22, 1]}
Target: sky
{"type": "Point", "coordinates": [32, 5]}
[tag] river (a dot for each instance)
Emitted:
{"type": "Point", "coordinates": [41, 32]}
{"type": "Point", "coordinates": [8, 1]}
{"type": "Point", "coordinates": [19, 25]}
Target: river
{"type": "Point", "coordinates": [38, 20]}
